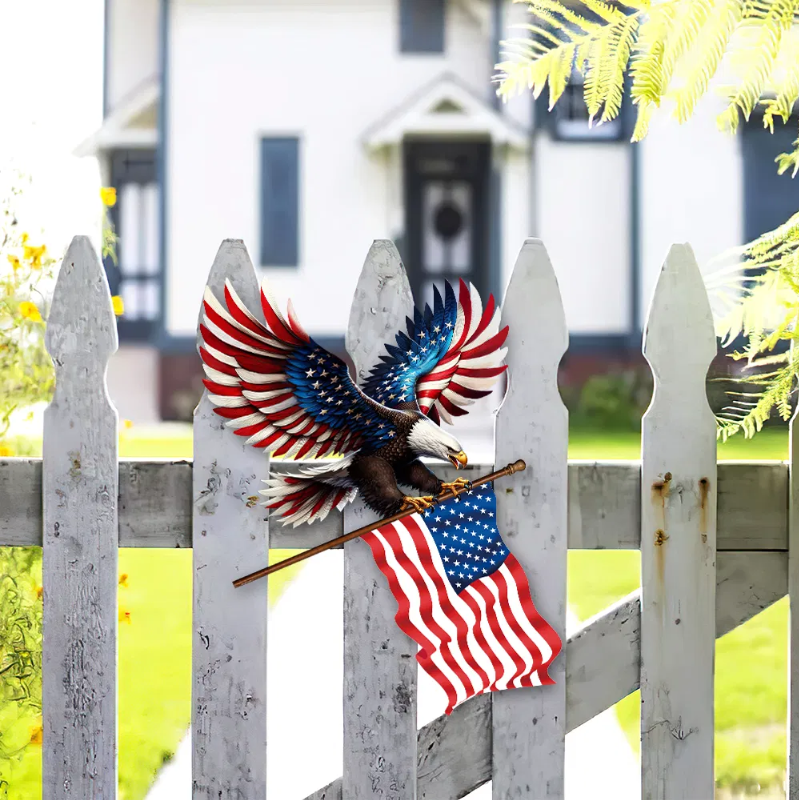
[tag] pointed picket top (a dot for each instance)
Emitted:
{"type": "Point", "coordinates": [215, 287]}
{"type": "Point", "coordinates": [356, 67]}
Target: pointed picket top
{"type": "Point", "coordinates": [382, 300]}
{"type": "Point", "coordinates": [82, 315]}
{"type": "Point", "coordinates": [230, 537]}
{"type": "Point", "coordinates": [680, 339]}
{"type": "Point", "coordinates": [532, 424]}
{"type": "Point", "coordinates": [533, 289]}
{"type": "Point", "coordinates": [379, 733]}
{"type": "Point", "coordinates": [233, 263]}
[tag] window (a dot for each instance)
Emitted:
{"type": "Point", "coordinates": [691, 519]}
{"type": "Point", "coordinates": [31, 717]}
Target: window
{"type": "Point", "coordinates": [769, 198]}
{"type": "Point", "coordinates": [570, 116]}
{"type": "Point", "coordinates": [422, 26]}
{"type": "Point", "coordinates": [136, 278]}
{"type": "Point", "coordinates": [280, 201]}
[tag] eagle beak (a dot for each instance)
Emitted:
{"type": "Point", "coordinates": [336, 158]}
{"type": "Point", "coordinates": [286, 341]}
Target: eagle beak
{"type": "Point", "coordinates": [458, 459]}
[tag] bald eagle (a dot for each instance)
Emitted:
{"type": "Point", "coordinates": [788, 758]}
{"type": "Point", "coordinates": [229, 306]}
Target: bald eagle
{"type": "Point", "coordinates": [275, 385]}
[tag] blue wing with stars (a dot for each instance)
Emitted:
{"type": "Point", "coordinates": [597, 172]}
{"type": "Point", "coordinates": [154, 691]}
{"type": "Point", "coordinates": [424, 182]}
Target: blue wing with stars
{"type": "Point", "coordinates": [450, 356]}
{"type": "Point", "coordinates": [278, 387]}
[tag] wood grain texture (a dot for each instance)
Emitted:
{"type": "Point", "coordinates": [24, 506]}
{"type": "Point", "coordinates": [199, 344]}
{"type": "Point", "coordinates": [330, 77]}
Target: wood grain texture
{"type": "Point", "coordinates": [530, 724]}
{"type": "Point", "coordinates": [379, 659]}
{"type": "Point", "coordinates": [678, 540]}
{"type": "Point", "coordinates": [155, 506]}
{"type": "Point", "coordinates": [79, 506]}
{"type": "Point", "coordinates": [793, 623]}
{"type": "Point", "coordinates": [230, 539]}
{"type": "Point", "coordinates": [602, 667]}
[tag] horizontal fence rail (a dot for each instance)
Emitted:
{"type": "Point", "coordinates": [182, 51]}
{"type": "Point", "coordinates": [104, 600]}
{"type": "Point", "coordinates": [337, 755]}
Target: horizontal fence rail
{"type": "Point", "coordinates": [714, 540]}
{"type": "Point", "coordinates": [155, 505]}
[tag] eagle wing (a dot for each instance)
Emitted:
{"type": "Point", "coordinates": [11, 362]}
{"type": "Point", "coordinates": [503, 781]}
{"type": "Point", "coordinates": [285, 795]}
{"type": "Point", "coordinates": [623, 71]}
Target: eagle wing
{"type": "Point", "coordinates": [275, 385]}
{"type": "Point", "coordinates": [450, 356]}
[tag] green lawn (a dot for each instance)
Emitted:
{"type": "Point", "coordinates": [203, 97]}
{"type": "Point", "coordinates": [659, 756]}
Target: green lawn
{"type": "Point", "coordinates": [155, 647]}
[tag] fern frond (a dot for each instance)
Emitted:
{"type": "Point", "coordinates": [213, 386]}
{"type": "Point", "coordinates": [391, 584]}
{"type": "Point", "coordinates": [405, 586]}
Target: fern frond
{"type": "Point", "coordinates": [748, 418]}
{"type": "Point", "coordinates": [643, 119]}
{"type": "Point", "coordinates": [786, 86]}
{"type": "Point", "coordinates": [787, 160]}
{"type": "Point", "coordinates": [767, 313]}
{"type": "Point", "coordinates": [681, 38]}
{"type": "Point", "coordinates": [710, 47]}
{"type": "Point", "coordinates": [760, 60]}
{"type": "Point", "coordinates": [598, 38]}
{"type": "Point", "coordinates": [622, 38]}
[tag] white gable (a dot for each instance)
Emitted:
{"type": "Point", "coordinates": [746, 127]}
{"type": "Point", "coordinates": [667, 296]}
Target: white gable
{"type": "Point", "coordinates": [445, 108]}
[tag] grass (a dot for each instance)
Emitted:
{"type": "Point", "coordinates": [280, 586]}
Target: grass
{"type": "Point", "coordinates": [155, 648]}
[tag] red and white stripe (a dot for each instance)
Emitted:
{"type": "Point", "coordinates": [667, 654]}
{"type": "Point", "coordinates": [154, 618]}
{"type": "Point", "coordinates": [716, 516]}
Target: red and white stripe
{"type": "Point", "coordinates": [487, 637]}
{"type": "Point", "coordinates": [473, 362]}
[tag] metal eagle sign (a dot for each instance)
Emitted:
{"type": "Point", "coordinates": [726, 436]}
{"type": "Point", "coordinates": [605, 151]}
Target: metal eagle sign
{"type": "Point", "coordinates": [461, 594]}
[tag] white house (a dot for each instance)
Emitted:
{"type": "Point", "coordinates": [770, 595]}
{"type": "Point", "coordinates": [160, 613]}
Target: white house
{"type": "Point", "coordinates": [308, 128]}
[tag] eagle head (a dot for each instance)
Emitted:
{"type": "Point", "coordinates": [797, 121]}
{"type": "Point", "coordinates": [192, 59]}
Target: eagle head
{"type": "Point", "coordinates": [427, 439]}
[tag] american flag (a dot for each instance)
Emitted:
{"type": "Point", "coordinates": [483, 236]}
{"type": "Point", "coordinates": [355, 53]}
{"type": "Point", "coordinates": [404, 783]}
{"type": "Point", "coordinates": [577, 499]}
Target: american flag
{"type": "Point", "coordinates": [464, 599]}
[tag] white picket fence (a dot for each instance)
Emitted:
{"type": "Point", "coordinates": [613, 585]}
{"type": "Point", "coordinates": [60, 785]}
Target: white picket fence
{"type": "Point", "coordinates": [714, 544]}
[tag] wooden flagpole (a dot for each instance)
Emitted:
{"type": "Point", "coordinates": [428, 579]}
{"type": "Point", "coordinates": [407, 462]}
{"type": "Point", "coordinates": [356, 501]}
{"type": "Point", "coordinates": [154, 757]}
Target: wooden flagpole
{"type": "Point", "coordinates": [517, 466]}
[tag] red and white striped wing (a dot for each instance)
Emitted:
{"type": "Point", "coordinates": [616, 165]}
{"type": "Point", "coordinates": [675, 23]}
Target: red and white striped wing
{"type": "Point", "coordinates": [256, 377]}
{"type": "Point", "coordinates": [472, 364]}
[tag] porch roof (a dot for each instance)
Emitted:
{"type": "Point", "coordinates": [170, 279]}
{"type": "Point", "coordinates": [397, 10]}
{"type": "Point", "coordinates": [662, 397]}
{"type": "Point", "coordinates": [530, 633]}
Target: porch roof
{"type": "Point", "coordinates": [445, 107]}
{"type": "Point", "coordinates": [133, 123]}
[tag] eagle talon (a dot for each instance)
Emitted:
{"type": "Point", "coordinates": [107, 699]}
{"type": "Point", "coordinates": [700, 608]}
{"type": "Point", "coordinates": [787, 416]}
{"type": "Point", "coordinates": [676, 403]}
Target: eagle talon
{"type": "Point", "coordinates": [458, 485]}
{"type": "Point", "coordinates": [418, 504]}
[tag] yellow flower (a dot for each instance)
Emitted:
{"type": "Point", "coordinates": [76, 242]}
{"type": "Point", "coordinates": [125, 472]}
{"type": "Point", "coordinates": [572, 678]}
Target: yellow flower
{"type": "Point", "coordinates": [29, 311]}
{"type": "Point", "coordinates": [34, 254]}
{"type": "Point", "coordinates": [14, 261]}
{"type": "Point", "coordinates": [39, 592]}
{"type": "Point", "coordinates": [119, 305]}
{"type": "Point", "coordinates": [24, 238]}
{"type": "Point", "coordinates": [37, 735]}
{"type": "Point", "coordinates": [123, 579]}
{"type": "Point", "coordinates": [127, 424]}
{"type": "Point", "coordinates": [108, 194]}
{"type": "Point", "coordinates": [124, 616]}
{"type": "Point", "coordinates": [5, 450]}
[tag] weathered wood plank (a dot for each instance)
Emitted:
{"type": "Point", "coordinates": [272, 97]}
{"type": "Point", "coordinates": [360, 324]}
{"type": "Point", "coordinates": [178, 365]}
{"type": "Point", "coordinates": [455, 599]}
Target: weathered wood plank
{"type": "Point", "coordinates": [604, 505]}
{"type": "Point", "coordinates": [793, 625]}
{"type": "Point", "coordinates": [230, 540]}
{"type": "Point", "coordinates": [602, 667]}
{"type": "Point", "coordinates": [79, 502]}
{"type": "Point", "coordinates": [678, 540]}
{"type": "Point", "coordinates": [529, 726]}
{"type": "Point", "coordinates": [379, 659]}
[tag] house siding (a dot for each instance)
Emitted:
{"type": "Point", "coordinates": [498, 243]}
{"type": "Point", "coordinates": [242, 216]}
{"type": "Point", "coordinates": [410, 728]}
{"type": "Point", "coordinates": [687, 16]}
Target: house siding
{"type": "Point", "coordinates": [132, 47]}
{"type": "Point", "coordinates": [691, 190]}
{"type": "Point", "coordinates": [291, 68]}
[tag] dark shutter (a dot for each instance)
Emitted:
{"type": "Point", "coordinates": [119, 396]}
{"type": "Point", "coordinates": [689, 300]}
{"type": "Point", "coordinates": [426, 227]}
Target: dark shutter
{"type": "Point", "coordinates": [422, 26]}
{"type": "Point", "coordinates": [280, 202]}
{"type": "Point", "coordinates": [769, 199]}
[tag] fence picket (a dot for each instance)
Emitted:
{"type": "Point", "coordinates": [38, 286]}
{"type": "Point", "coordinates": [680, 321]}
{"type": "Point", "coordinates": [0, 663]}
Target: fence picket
{"type": "Point", "coordinates": [79, 499]}
{"type": "Point", "coordinates": [678, 539]}
{"type": "Point", "coordinates": [379, 659]}
{"type": "Point", "coordinates": [530, 724]}
{"type": "Point", "coordinates": [230, 538]}
{"type": "Point", "coordinates": [793, 594]}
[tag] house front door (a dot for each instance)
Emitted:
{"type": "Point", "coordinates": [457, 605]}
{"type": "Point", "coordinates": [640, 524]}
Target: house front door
{"type": "Point", "coordinates": [446, 215]}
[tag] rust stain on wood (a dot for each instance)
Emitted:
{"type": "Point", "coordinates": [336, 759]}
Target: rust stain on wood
{"type": "Point", "coordinates": [704, 490]}
{"type": "Point", "coordinates": [660, 491]}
